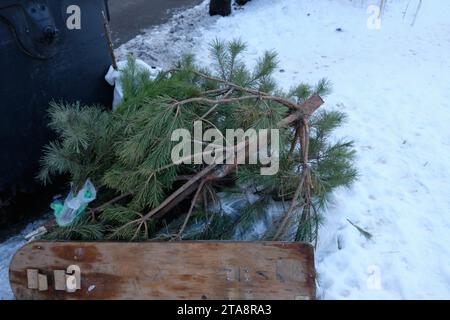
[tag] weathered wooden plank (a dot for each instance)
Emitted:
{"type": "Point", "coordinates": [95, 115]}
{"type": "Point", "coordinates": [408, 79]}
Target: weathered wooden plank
{"type": "Point", "coordinates": [170, 270]}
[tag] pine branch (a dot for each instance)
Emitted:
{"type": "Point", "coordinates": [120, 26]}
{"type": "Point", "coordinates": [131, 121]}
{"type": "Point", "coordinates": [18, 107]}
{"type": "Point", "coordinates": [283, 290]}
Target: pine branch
{"type": "Point", "coordinates": [193, 202]}
{"type": "Point", "coordinates": [128, 151]}
{"type": "Point", "coordinates": [254, 92]}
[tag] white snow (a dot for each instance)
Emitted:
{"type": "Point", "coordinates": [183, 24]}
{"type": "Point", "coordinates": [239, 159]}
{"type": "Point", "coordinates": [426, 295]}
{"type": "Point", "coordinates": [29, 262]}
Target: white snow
{"type": "Point", "coordinates": [7, 251]}
{"type": "Point", "coordinates": [163, 45]}
{"type": "Point", "coordinates": [113, 77]}
{"type": "Point", "coordinates": [394, 85]}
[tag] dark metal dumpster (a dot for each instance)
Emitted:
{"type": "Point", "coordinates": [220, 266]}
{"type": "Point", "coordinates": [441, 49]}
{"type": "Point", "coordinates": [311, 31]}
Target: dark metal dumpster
{"type": "Point", "coordinates": [49, 50]}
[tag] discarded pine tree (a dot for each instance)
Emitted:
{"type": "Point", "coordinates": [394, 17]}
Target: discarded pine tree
{"type": "Point", "coordinates": [143, 194]}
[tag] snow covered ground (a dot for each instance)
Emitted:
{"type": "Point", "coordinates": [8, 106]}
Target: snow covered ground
{"type": "Point", "coordinates": [394, 84]}
{"type": "Point", "coordinates": [7, 251]}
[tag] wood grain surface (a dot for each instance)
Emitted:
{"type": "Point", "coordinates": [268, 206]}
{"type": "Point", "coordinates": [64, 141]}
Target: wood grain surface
{"type": "Point", "coordinates": [171, 270]}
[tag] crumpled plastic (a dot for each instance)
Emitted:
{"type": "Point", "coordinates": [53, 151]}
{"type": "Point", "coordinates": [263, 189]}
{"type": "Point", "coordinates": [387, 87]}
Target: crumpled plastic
{"type": "Point", "coordinates": [74, 205]}
{"type": "Point", "coordinates": [113, 77]}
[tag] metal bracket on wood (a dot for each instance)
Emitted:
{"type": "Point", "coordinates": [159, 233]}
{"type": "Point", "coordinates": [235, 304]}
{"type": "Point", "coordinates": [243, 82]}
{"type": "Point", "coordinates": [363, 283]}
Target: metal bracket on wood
{"type": "Point", "coordinates": [68, 280]}
{"type": "Point", "coordinates": [36, 280]}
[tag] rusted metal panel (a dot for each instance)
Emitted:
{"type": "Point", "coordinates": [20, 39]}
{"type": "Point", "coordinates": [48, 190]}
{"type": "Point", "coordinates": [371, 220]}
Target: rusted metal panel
{"type": "Point", "coordinates": [170, 270]}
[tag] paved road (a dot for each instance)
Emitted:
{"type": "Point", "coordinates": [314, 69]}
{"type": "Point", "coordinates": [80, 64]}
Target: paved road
{"type": "Point", "coordinates": [129, 17]}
